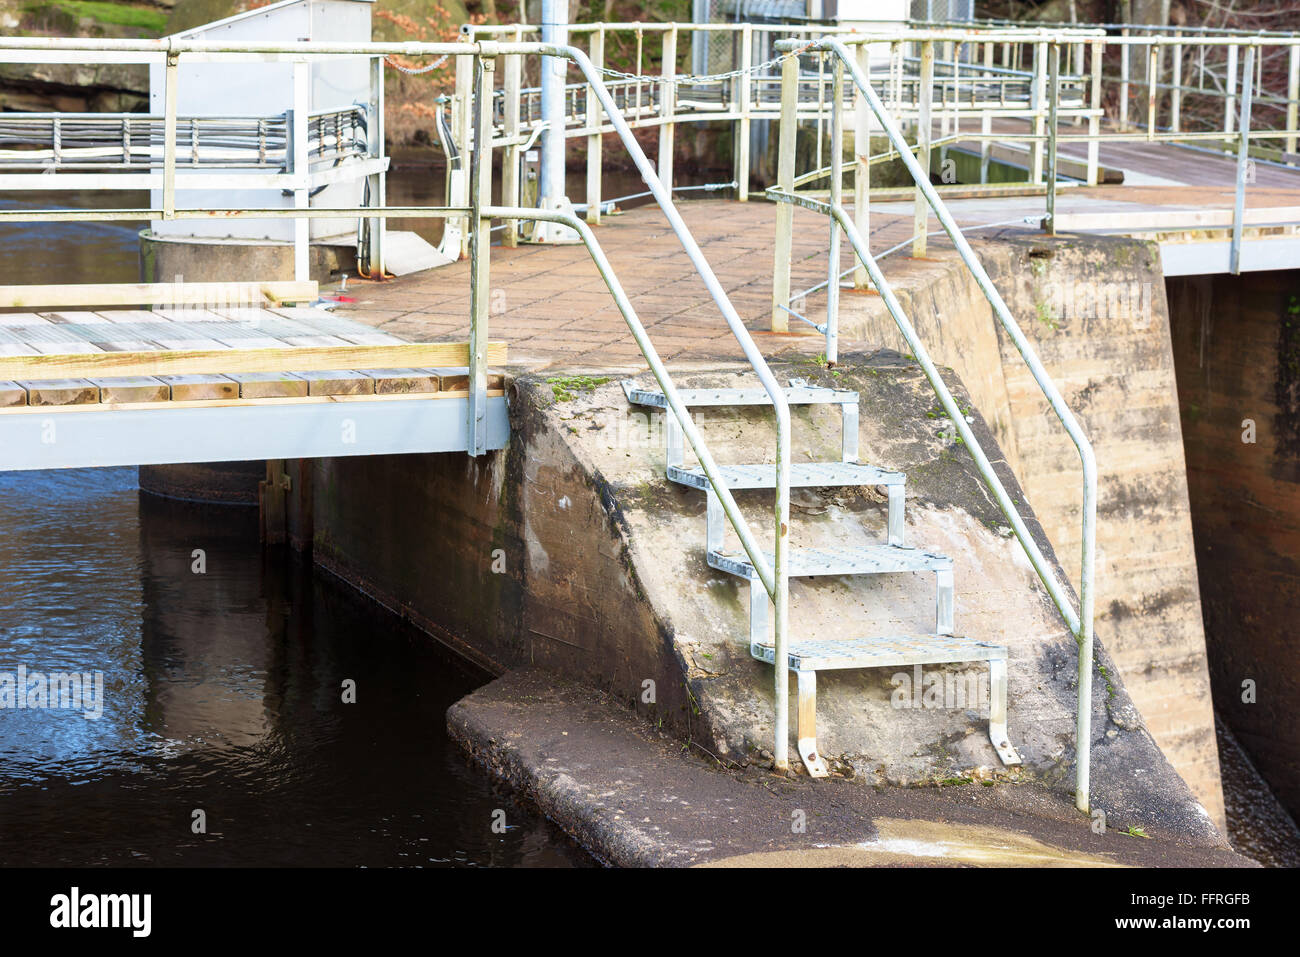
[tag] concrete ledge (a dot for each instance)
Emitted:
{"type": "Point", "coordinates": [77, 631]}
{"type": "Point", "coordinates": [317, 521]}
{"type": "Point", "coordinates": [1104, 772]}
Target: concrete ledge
{"type": "Point", "coordinates": [635, 797]}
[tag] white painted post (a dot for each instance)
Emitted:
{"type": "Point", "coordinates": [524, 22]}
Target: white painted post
{"type": "Point", "coordinates": [596, 53]}
{"type": "Point", "coordinates": [1123, 82]}
{"type": "Point", "coordinates": [462, 123]}
{"type": "Point", "coordinates": [742, 85]}
{"type": "Point", "coordinates": [667, 106]}
{"type": "Point", "coordinates": [785, 180]}
{"type": "Point", "coordinates": [1038, 106]}
{"type": "Point", "coordinates": [1230, 101]}
{"type": "Point", "coordinates": [1293, 96]}
{"type": "Point", "coordinates": [1153, 54]}
{"type": "Point", "coordinates": [169, 136]}
{"type": "Point", "coordinates": [301, 173]}
{"type": "Point", "coordinates": [480, 253]}
{"type": "Point", "coordinates": [1094, 109]}
{"type": "Point", "coordinates": [1243, 163]}
{"type": "Point", "coordinates": [920, 208]}
{"type": "Point", "coordinates": [1176, 95]}
{"type": "Point", "coordinates": [512, 83]}
{"type": "Point", "coordinates": [555, 18]}
{"type": "Point", "coordinates": [836, 199]}
{"type": "Point", "coordinates": [861, 165]}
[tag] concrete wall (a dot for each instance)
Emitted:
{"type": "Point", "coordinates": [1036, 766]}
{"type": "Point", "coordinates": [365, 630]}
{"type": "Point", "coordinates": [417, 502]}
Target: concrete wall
{"type": "Point", "coordinates": [602, 576]}
{"type": "Point", "coordinates": [1237, 345]}
{"type": "Point", "coordinates": [1094, 310]}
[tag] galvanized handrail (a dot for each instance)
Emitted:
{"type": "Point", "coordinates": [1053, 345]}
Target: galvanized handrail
{"type": "Point", "coordinates": [1080, 622]}
{"type": "Point", "coordinates": [775, 578]}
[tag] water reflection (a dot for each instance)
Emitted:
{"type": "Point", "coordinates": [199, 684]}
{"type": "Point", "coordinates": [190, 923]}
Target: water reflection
{"type": "Point", "coordinates": [223, 693]}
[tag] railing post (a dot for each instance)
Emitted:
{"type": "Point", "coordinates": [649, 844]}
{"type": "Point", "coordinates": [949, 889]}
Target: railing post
{"type": "Point", "coordinates": [169, 136]}
{"type": "Point", "coordinates": [861, 165]}
{"type": "Point", "coordinates": [377, 182]}
{"type": "Point", "coordinates": [837, 197]}
{"type": "Point", "coordinates": [596, 54]}
{"type": "Point", "coordinates": [1123, 82]}
{"type": "Point", "coordinates": [667, 106]}
{"type": "Point", "coordinates": [1039, 97]}
{"type": "Point", "coordinates": [1230, 101]}
{"type": "Point", "coordinates": [1243, 161]}
{"type": "Point", "coordinates": [742, 86]}
{"type": "Point", "coordinates": [1293, 96]}
{"type": "Point", "coordinates": [785, 179]}
{"type": "Point", "coordinates": [1153, 59]}
{"type": "Point", "coordinates": [301, 172]}
{"type": "Point", "coordinates": [1176, 94]}
{"type": "Point", "coordinates": [480, 250]}
{"type": "Point", "coordinates": [1098, 55]}
{"type": "Point", "coordinates": [1053, 101]}
{"type": "Point", "coordinates": [920, 210]}
{"type": "Point", "coordinates": [512, 82]}
{"type": "Point", "coordinates": [463, 128]}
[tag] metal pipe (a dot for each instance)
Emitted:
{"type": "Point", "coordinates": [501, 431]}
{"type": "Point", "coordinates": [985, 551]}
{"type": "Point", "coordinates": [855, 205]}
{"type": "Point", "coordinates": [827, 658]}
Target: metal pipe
{"type": "Point", "coordinates": [555, 18]}
{"type": "Point", "coordinates": [1243, 163]}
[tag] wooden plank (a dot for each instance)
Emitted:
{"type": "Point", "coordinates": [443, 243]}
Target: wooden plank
{"type": "Point", "coordinates": [133, 389]}
{"type": "Point", "coordinates": [457, 379]}
{"type": "Point", "coordinates": [107, 341]}
{"type": "Point", "coordinates": [188, 388]}
{"type": "Point", "coordinates": [417, 355]}
{"type": "Point", "coordinates": [403, 381]}
{"type": "Point", "coordinates": [60, 391]}
{"type": "Point", "coordinates": [42, 336]}
{"type": "Point", "coordinates": [11, 393]}
{"type": "Point", "coordinates": [131, 293]}
{"type": "Point", "coordinates": [245, 403]}
{"type": "Point", "coordinates": [338, 383]}
{"type": "Point", "coordinates": [270, 385]}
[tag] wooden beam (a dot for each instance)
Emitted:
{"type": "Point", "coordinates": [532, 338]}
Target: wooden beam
{"type": "Point", "coordinates": [96, 365]}
{"type": "Point", "coordinates": [172, 293]}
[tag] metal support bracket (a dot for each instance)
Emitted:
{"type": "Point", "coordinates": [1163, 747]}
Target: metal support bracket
{"type": "Point", "coordinates": [998, 713]}
{"type": "Point", "coordinates": [807, 725]}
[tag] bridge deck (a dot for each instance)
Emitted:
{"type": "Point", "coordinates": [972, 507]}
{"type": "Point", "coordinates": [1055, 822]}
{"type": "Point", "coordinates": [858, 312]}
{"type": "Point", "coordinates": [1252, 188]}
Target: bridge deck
{"type": "Point", "coordinates": [126, 387]}
{"type": "Point", "coordinates": [551, 305]}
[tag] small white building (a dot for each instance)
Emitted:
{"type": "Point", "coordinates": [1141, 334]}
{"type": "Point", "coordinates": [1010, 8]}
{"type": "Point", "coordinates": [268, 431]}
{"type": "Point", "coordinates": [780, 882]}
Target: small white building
{"type": "Point", "coordinates": [266, 90]}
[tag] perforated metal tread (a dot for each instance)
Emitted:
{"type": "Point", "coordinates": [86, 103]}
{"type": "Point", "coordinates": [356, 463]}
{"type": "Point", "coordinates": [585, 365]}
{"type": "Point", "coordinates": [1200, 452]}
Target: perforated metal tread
{"type": "Point", "coordinates": [795, 395]}
{"type": "Point", "coordinates": [838, 560]}
{"type": "Point", "coordinates": [802, 475]}
{"type": "Point", "coordinates": [879, 652]}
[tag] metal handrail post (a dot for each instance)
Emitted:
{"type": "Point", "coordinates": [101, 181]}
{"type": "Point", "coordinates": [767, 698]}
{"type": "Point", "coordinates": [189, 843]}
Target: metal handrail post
{"type": "Point", "coordinates": [920, 212]}
{"type": "Point", "coordinates": [480, 244]}
{"type": "Point", "coordinates": [1243, 162]}
{"type": "Point", "coordinates": [784, 245]}
{"type": "Point", "coordinates": [1080, 623]}
{"type": "Point", "coordinates": [837, 192]}
{"type": "Point", "coordinates": [1053, 102]}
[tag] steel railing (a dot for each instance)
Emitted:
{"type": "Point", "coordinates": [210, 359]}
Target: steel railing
{"type": "Point", "coordinates": [1080, 622]}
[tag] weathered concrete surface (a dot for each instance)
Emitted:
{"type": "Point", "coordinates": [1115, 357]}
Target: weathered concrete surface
{"type": "Point", "coordinates": [572, 551]}
{"type": "Point", "coordinates": [1237, 344]}
{"type": "Point", "coordinates": [1095, 311]}
{"type": "Point", "coordinates": [637, 797]}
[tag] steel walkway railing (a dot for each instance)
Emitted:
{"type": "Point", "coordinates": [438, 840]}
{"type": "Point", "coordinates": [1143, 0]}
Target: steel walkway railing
{"type": "Point", "coordinates": [1080, 622]}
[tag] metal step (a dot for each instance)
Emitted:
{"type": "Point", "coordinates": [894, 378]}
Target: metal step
{"type": "Point", "coordinates": [795, 395]}
{"type": "Point", "coordinates": [838, 560]}
{"type": "Point", "coordinates": [802, 475]}
{"type": "Point", "coordinates": [881, 652]}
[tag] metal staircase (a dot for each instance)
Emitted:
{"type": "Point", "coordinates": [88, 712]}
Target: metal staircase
{"type": "Point", "coordinates": [805, 657]}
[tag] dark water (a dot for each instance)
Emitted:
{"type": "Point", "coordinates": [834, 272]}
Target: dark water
{"type": "Point", "coordinates": [223, 693]}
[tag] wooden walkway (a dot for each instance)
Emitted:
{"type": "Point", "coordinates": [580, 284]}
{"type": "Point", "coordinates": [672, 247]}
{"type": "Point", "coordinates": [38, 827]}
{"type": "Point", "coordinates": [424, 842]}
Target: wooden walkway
{"type": "Point", "coordinates": [551, 306]}
{"type": "Point", "coordinates": [241, 342]}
